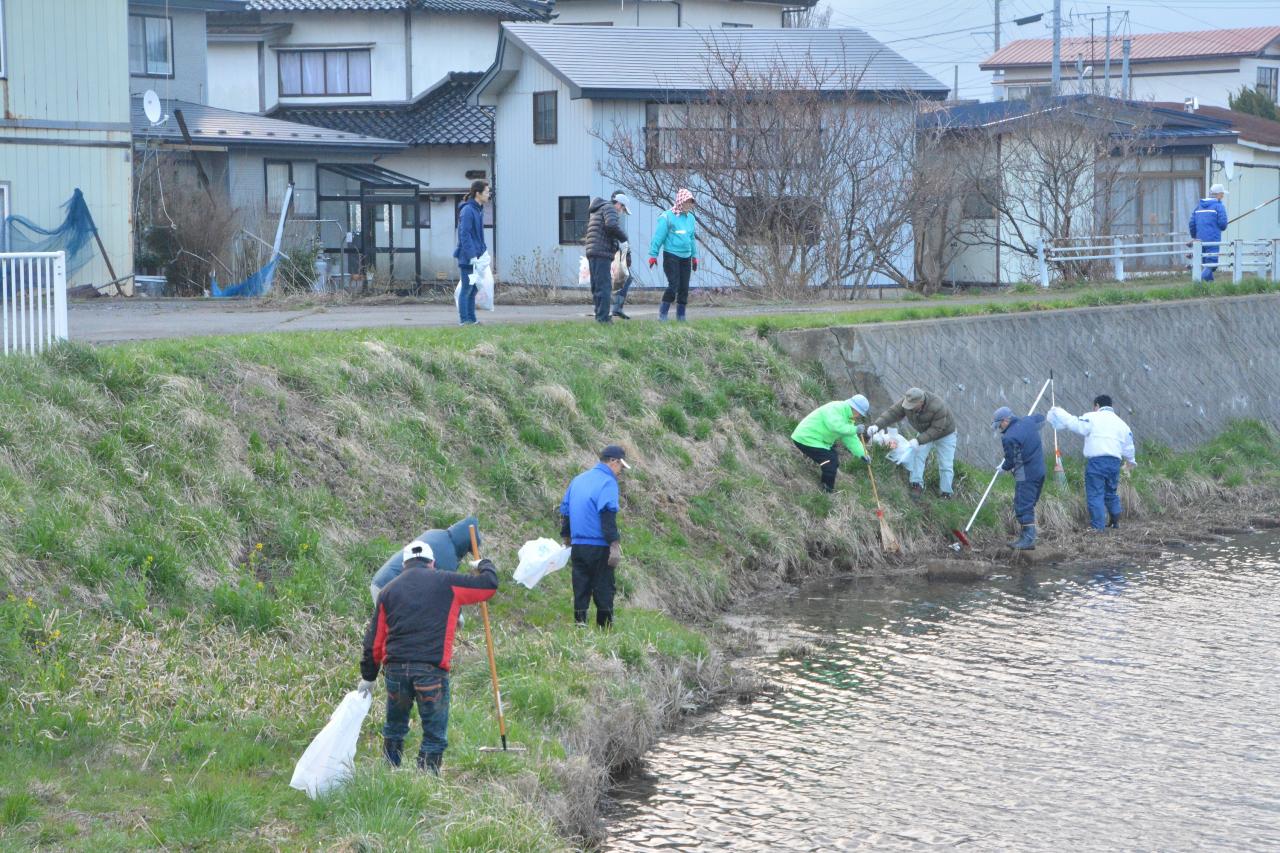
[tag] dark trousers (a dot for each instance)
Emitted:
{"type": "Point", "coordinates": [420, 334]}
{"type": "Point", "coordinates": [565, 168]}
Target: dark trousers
{"type": "Point", "coordinates": [1026, 494]}
{"type": "Point", "coordinates": [592, 579]}
{"type": "Point", "coordinates": [427, 686]}
{"type": "Point", "coordinates": [677, 270]}
{"type": "Point", "coordinates": [828, 463]}
{"type": "Point", "coordinates": [467, 297]}
{"type": "Point", "coordinates": [1101, 489]}
{"type": "Point", "coordinates": [601, 286]}
{"type": "Point", "coordinates": [620, 295]}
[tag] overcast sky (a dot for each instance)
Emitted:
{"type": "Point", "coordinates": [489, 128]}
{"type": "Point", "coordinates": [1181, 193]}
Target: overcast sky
{"type": "Point", "coordinates": [910, 26]}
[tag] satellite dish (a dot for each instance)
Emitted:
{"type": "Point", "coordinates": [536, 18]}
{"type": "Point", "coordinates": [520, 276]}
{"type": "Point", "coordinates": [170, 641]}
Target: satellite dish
{"type": "Point", "coordinates": [151, 106]}
{"type": "Point", "coordinates": [1228, 164]}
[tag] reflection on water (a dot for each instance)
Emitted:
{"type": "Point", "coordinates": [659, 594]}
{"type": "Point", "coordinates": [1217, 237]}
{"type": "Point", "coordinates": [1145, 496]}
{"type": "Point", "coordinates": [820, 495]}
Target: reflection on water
{"type": "Point", "coordinates": [1111, 707]}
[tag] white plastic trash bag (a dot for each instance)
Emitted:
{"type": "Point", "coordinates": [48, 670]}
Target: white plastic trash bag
{"type": "Point", "coordinates": [1058, 418]}
{"type": "Point", "coordinates": [328, 760]}
{"type": "Point", "coordinates": [482, 277]}
{"type": "Point", "coordinates": [584, 271]}
{"type": "Point", "coordinates": [538, 558]}
{"type": "Point", "coordinates": [900, 450]}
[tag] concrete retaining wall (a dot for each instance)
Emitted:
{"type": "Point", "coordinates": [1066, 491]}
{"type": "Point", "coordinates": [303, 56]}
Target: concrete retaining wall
{"type": "Point", "coordinates": [1177, 371]}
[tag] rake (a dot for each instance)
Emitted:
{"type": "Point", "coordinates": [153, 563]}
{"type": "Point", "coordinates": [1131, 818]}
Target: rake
{"type": "Point", "coordinates": [888, 540]}
{"type": "Point", "coordinates": [1059, 474]}
{"type": "Point", "coordinates": [962, 536]}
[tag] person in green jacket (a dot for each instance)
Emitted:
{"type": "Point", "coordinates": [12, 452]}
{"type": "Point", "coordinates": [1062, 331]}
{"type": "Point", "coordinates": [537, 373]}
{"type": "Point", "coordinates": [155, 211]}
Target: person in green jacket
{"type": "Point", "coordinates": [817, 435]}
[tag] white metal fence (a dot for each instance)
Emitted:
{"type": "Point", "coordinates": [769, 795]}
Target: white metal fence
{"type": "Point", "coordinates": [1168, 250]}
{"type": "Point", "coordinates": [33, 301]}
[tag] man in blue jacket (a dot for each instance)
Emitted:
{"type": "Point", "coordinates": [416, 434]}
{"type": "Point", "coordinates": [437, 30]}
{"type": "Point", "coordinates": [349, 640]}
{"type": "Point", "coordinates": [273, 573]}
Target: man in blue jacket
{"type": "Point", "coordinates": [1024, 457]}
{"type": "Point", "coordinates": [589, 525]}
{"type": "Point", "coordinates": [450, 547]}
{"type": "Point", "coordinates": [1208, 221]}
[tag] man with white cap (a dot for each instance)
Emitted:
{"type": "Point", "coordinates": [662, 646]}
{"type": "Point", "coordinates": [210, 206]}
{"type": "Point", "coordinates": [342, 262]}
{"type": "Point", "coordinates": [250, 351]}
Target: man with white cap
{"type": "Point", "coordinates": [603, 238]}
{"type": "Point", "coordinates": [935, 427]}
{"type": "Point", "coordinates": [826, 426]}
{"type": "Point", "coordinates": [589, 526]}
{"type": "Point", "coordinates": [1208, 222]}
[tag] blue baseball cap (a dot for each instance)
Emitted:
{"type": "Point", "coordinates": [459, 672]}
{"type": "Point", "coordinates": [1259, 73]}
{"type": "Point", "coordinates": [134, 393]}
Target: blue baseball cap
{"type": "Point", "coordinates": [1001, 413]}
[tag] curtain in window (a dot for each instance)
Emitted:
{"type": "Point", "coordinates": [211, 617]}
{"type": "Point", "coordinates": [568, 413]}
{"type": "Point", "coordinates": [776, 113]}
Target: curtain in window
{"type": "Point", "coordinates": [304, 190]}
{"type": "Point", "coordinates": [335, 72]}
{"type": "Point", "coordinates": [137, 46]}
{"type": "Point", "coordinates": [159, 55]}
{"type": "Point", "coordinates": [359, 76]}
{"type": "Point", "coordinates": [277, 183]}
{"type": "Point", "coordinates": [290, 74]}
{"type": "Point", "coordinates": [313, 73]}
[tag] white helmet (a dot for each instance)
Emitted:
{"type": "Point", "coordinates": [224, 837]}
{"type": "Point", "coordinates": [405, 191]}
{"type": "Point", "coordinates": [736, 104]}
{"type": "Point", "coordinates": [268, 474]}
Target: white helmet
{"type": "Point", "coordinates": [417, 550]}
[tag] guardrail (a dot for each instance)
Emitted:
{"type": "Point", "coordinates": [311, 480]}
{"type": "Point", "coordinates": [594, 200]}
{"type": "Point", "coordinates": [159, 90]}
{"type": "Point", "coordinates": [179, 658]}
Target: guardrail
{"type": "Point", "coordinates": [33, 301]}
{"type": "Point", "coordinates": [1240, 256]}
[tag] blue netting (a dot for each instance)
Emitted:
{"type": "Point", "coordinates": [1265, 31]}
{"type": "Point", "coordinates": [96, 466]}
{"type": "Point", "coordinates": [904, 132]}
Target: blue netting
{"type": "Point", "coordinates": [74, 236]}
{"type": "Point", "coordinates": [258, 284]}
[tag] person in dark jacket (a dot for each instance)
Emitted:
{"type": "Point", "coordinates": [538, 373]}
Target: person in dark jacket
{"type": "Point", "coordinates": [1024, 458]}
{"type": "Point", "coordinates": [589, 526]}
{"type": "Point", "coordinates": [471, 246]}
{"type": "Point", "coordinates": [1207, 223]}
{"type": "Point", "coordinates": [603, 237]}
{"type": "Point", "coordinates": [449, 546]}
{"type": "Point", "coordinates": [936, 427]}
{"type": "Point", "coordinates": [410, 638]}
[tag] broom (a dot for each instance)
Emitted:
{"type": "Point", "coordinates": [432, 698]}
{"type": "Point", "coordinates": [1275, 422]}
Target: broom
{"type": "Point", "coordinates": [1059, 475]}
{"type": "Point", "coordinates": [888, 541]}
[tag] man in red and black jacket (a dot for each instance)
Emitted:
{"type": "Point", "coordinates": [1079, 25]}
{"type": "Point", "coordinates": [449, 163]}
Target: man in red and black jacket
{"type": "Point", "coordinates": [411, 639]}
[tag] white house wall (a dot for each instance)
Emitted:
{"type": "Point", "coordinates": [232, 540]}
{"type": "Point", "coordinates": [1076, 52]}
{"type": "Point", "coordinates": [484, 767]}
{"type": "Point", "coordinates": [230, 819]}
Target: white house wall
{"type": "Point", "coordinates": [702, 14]}
{"type": "Point", "coordinates": [1209, 80]}
{"type": "Point", "coordinates": [1255, 178]}
{"type": "Point", "coordinates": [190, 70]}
{"type": "Point", "coordinates": [384, 32]}
{"type": "Point", "coordinates": [445, 43]}
{"type": "Point", "coordinates": [233, 76]}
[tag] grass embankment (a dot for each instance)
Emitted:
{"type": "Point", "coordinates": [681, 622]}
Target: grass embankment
{"type": "Point", "coordinates": [189, 529]}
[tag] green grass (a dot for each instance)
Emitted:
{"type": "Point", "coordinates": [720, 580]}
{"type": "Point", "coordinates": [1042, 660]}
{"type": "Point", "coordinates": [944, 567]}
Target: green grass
{"type": "Point", "coordinates": [190, 529]}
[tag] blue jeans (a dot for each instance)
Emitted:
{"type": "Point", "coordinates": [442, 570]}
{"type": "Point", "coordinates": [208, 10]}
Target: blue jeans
{"type": "Point", "coordinates": [1026, 494]}
{"type": "Point", "coordinates": [601, 287]}
{"type": "Point", "coordinates": [946, 462]}
{"type": "Point", "coordinates": [620, 295]}
{"type": "Point", "coordinates": [1101, 482]}
{"type": "Point", "coordinates": [426, 685]}
{"type": "Point", "coordinates": [467, 297]}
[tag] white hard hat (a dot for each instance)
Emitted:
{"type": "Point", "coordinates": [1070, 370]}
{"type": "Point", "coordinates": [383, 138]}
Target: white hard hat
{"type": "Point", "coordinates": [417, 550]}
{"type": "Point", "coordinates": [1217, 188]}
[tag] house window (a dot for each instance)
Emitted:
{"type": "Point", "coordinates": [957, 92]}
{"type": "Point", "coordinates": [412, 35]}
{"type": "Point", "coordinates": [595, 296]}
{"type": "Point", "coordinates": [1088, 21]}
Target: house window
{"type": "Point", "coordinates": [729, 25]}
{"type": "Point", "coordinates": [325, 72]}
{"type": "Point", "coordinates": [573, 219]}
{"type": "Point", "coordinates": [792, 219]}
{"type": "Point", "coordinates": [544, 118]}
{"type": "Point", "coordinates": [415, 217]}
{"type": "Point", "coordinates": [1269, 83]}
{"type": "Point", "coordinates": [302, 174]}
{"type": "Point", "coordinates": [150, 46]}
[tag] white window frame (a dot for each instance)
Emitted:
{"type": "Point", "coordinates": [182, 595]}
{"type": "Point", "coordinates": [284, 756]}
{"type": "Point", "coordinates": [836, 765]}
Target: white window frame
{"type": "Point", "coordinates": [146, 71]}
{"type": "Point", "coordinates": [4, 69]}
{"type": "Point", "coordinates": [1273, 87]}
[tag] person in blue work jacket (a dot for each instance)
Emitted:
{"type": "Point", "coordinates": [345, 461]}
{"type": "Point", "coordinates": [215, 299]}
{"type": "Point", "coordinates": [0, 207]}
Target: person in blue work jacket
{"type": "Point", "coordinates": [1024, 458]}
{"type": "Point", "coordinates": [589, 525]}
{"type": "Point", "coordinates": [1208, 221]}
{"type": "Point", "coordinates": [676, 237]}
{"type": "Point", "coordinates": [471, 246]}
{"type": "Point", "coordinates": [450, 547]}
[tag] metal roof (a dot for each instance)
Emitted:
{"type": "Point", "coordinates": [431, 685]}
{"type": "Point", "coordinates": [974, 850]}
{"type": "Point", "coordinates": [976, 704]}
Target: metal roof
{"type": "Point", "coordinates": [1251, 128]}
{"type": "Point", "coordinates": [441, 116]}
{"type": "Point", "coordinates": [631, 62]}
{"type": "Point", "coordinates": [1143, 47]}
{"type": "Point", "coordinates": [376, 177]}
{"type": "Point", "coordinates": [213, 126]}
{"type": "Point", "coordinates": [509, 10]}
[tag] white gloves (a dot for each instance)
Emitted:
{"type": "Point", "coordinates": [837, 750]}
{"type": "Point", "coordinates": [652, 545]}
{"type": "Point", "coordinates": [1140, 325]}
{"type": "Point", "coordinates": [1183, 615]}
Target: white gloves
{"type": "Point", "coordinates": [872, 430]}
{"type": "Point", "coordinates": [365, 688]}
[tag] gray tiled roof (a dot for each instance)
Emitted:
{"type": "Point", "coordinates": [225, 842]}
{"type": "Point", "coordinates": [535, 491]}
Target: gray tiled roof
{"type": "Point", "coordinates": [440, 117]}
{"type": "Point", "coordinates": [210, 125]}
{"type": "Point", "coordinates": [508, 10]}
{"type": "Point", "coordinates": [621, 62]}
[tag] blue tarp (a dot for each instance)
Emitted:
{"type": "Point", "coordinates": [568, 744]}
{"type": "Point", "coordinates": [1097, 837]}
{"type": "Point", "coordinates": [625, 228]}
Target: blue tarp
{"type": "Point", "coordinates": [258, 284]}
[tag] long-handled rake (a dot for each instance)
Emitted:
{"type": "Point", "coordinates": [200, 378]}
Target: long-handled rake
{"type": "Point", "coordinates": [493, 664]}
{"type": "Point", "coordinates": [962, 536]}
{"type": "Point", "coordinates": [1059, 474]}
{"type": "Point", "coordinates": [888, 541]}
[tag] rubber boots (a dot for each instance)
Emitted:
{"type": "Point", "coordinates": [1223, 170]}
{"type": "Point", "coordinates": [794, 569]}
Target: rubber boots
{"type": "Point", "coordinates": [1113, 521]}
{"type": "Point", "coordinates": [1026, 542]}
{"type": "Point", "coordinates": [680, 313]}
{"type": "Point", "coordinates": [604, 618]}
{"type": "Point", "coordinates": [392, 749]}
{"type": "Point", "coordinates": [430, 761]}
{"type": "Point", "coordinates": [663, 310]}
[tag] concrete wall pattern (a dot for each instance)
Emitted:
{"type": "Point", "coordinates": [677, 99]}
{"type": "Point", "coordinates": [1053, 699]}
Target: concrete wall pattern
{"type": "Point", "coordinates": [1178, 372]}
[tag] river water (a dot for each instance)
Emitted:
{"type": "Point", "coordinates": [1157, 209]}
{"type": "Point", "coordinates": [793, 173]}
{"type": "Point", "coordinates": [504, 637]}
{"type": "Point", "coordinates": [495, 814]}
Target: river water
{"type": "Point", "coordinates": [1100, 707]}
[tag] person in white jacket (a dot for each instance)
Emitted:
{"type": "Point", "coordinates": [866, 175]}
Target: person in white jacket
{"type": "Point", "coordinates": [1108, 446]}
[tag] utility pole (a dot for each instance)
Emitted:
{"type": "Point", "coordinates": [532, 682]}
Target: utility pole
{"type": "Point", "coordinates": [996, 28]}
{"type": "Point", "coordinates": [955, 87]}
{"type": "Point", "coordinates": [1106, 63]}
{"type": "Point", "coordinates": [1056, 70]}
{"type": "Point", "coordinates": [1124, 69]}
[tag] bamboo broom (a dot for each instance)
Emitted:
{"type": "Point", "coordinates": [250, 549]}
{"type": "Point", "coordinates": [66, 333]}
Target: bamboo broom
{"type": "Point", "coordinates": [888, 541]}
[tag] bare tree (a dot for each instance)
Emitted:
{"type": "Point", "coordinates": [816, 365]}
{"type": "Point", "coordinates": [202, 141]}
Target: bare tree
{"type": "Point", "coordinates": [816, 17]}
{"type": "Point", "coordinates": [802, 177]}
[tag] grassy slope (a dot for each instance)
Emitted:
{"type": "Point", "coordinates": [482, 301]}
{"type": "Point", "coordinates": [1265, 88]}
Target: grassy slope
{"type": "Point", "coordinates": [189, 530]}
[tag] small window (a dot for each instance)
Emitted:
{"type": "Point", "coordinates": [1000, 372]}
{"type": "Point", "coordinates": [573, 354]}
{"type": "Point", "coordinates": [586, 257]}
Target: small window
{"type": "Point", "coordinates": [324, 72]}
{"type": "Point", "coordinates": [790, 218]}
{"type": "Point", "coordinates": [544, 118]}
{"type": "Point", "coordinates": [419, 217]}
{"type": "Point", "coordinates": [1269, 83]}
{"type": "Point", "coordinates": [281, 173]}
{"type": "Point", "coordinates": [573, 219]}
{"type": "Point", "coordinates": [150, 46]}
{"type": "Point", "coordinates": [729, 25]}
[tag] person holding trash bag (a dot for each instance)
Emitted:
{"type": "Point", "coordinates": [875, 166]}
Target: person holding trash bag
{"type": "Point", "coordinates": [410, 638]}
{"type": "Point", "coordinates": [935, 425]}
{"type": "Point", "coordinates": [603, 238]}
{"type": "Point", "coordinates": [471, 246]}
{"type": "Point", "coordinates": [1024, 458]}
{"type": "Point", "coordinates": [589, 526]}
{"type": "Point", "coordinates": [1108, 448]}
{"type": "Point", "coordinates": [449, 546]}
{"type": "Point", "coordinates": [1208, 221]}
{"type": "Point", "coordinates": [676, 238]}
{"type": "Point", "coordinates": [817, 435]}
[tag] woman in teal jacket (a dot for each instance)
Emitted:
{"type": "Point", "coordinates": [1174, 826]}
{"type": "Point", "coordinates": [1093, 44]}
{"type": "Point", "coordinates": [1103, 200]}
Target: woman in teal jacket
{"type": "Point", "coordinates": [676, 238]}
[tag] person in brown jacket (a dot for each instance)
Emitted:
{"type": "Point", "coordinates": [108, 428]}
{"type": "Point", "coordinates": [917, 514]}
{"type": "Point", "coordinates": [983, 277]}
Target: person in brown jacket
{"type": "Point", "coordinates": [936, 426]}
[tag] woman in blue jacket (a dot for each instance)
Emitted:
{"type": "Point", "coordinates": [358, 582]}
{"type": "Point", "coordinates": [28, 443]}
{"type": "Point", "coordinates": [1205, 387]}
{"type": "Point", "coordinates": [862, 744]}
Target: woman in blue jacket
{"type": "Point", "coordinates": [676, 238]}
{"type": "Point", "coordinates": [470, 247]}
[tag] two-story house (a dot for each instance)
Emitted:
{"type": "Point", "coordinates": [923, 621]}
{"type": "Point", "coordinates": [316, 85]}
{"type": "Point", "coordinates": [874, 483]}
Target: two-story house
{"type": "Point", "coordinates": [63, 81]}
{"type": "Point", "coordinates": [1207, 65]}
